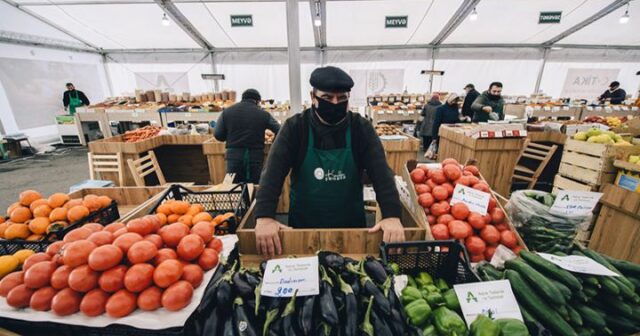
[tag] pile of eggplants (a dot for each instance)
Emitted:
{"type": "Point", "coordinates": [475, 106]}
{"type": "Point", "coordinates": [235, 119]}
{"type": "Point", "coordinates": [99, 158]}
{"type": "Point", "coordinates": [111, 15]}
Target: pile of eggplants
{"type": "Point", "coordinates": [356, 298]}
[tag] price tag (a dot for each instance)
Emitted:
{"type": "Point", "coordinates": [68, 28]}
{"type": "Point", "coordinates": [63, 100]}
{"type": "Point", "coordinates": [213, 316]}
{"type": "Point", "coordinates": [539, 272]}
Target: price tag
{"type": "Point", "coordinates": [134, 114]}
{"type": "Point", "coordinates": [625, 108]}
{"type": "Point", "coordinates": [380, 112]}
{"type": "Point", "coordinates": [565, 108]}
{"type": "Point", "coordinates": [574, 203]}
{"type": "Point", "coordinates": [282, 277]}
{"type": "Point", "coordinates": [589, 108]}
{"type": "Point", "coordinates": [579, 264]}
{"type": "Point", "coordinates": [476, 200]}
{"type": "Point", "coordinates": [547, 108]}
{"type": "Point", "coordinates": [494, 299]}
{"type": "Point", "coordinates": [616, 108]}
{"type": "Point", "coordinates": [555, 109]}
{"type": "Point", "coordinates": [634, 108]}
{"type": "Point", "coordinates": [187, 115]}
{"type": "Point", "coordinates": [598, 108]}
{"type": "Point", "coordinates": [536, 108]}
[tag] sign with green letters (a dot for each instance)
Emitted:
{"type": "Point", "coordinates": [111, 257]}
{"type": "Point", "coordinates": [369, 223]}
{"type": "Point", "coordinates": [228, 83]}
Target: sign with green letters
{"type": "Point", "coordinates": [396, 21]}
{"type": "Point", "coordinates": [241, 20]}
{"type": "Point", "coordinates": [549, 17]}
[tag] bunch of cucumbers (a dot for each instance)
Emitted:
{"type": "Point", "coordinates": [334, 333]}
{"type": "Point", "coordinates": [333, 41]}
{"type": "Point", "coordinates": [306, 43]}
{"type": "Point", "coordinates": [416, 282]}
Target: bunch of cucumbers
{"type": "Point", "coordinates": [571, 304]}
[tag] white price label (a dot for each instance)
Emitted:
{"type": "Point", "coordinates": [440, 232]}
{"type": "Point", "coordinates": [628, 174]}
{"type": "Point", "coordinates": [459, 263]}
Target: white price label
{"type": "Point", "coordinates": [556, 109]}
{"type": "Point", "coordinates": [476, 200]}
{"type": "Point", "coordinates": [492, 298]}
{"type": "Point", "coordinates": [547, 108]}
{"type": "Point", "coordinates": [575, 202]}
{"type": "Point", "coordinates": [187, 115]}
{"type": "Point", "coordinates": [283, 277]}
{"type": "Point", "coordinates": [565, 108]}
{"type": "Point", "coordinates": [134, 114]}
{"type": "Point", "coordinates": [579, 264]}
{"type": "Point", "coordinates": [616, 108]}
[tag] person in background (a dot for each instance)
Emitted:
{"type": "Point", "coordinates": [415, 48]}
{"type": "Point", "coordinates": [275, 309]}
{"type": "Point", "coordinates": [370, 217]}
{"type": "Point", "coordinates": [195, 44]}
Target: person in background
{"type": "Point", "coordinates": [428, 116]}
{"type": "Point", "coordinates": [446, 114]}
{"type": "Point", "coordinates": [242, 126]}
{"type": "Point", "coordinates": [469, 98]}
{"type": "Point", "coordinates": [73, 98]}
{"type": "Point", "coordinates": [489, 105]}
{"type": "Point", "coordinates": [615, 95]}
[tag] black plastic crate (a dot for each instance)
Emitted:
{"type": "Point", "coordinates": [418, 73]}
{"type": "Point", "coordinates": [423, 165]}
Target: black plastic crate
{"type": "Point", "coordinates": [103, 216]}
{"type": "Point", "coordinates": [445, 259]}
{"type": "Point", "coordinates": [193, 326]}
{"type": "Point", "coordinates": [237, 200]}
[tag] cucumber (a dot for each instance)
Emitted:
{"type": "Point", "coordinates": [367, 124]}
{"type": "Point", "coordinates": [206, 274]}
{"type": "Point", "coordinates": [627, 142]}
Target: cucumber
{"type": "Point", "coordinates": [597, 257]}
{"type": "Point", "coordinates": [545, 314]}
{"type": "Point", "coordinates": [618, 324]}
{"type": "Point", "coordinates": [636, 313]}
{"type": "Point", "coordinates": [626, 292]}
{"type": "Point", "coordinates": [489, 272]}
{"type": "Point", "coordinates": [609, 286]}
{"type": "Point", "coordinates": [551, 270]}
{"type": "Point", "coordinates": [627, 268]}
{"type": "Point", "coordinates": [566, 292]}
{"type": "Point", "coordinates": [590, 317]}
{"type": "Point", "coordinates": [529, 320]}
{"type": "Point", "coordinates": [574, 317]}
{"type": "Point", "coordinates": [564, 312]}
{"type": "Point", "coordinates": [545, 287]}
{"type": "Point", "coordinates": [615, 305]}
{"type": "Point", "coordinates": [635, 282]}
{"type": "Point", "coordinates": [591, 280]}
{"type": "Point", "coordinates": [590, 291]}
{"type": "Point", "coordinates": [560, 254]}
{"type": "Point", "coordinates": [586, 332]}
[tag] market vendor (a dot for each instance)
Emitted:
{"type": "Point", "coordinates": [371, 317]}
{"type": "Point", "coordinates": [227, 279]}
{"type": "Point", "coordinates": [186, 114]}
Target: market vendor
{"type": "Point", "coordinates": [615, 95]}
{"type": "Point", "coordinates": [72, 98]}
{"type": "Point", "coordinates": [242, 126]}
{"type": "Point", "coordinates": [327, 148]}
{"type": "Point", "coordinates": [489, 105]}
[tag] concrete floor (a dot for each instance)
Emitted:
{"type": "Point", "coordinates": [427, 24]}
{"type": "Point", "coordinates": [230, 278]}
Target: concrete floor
{"type": "Point", "coordinates": [47, 173]}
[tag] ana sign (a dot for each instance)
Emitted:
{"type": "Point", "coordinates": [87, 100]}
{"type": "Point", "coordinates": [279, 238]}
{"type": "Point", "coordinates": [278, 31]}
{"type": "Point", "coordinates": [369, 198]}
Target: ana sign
{"type": "Point", "coordinates": [549, 17]}
{"type": "Point", "coordinates": [396, 21]}
{"type": "Point", "coordinates": [241, 20]}
{"type": "Point", "coordinates": [587, 83]}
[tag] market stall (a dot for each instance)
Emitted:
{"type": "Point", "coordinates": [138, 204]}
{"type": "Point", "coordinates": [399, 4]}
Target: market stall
{"type": "Point", "coordinates": [84, 117]}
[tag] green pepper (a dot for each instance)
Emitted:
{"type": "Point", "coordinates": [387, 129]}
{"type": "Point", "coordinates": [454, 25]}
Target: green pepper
{"type": "Point", "coordinates": [411, 281]}
{"type": "Point", "coordinates": [449, 323]}
{"type": "Point", "coordinates": [512, 327]}
{"type": "Point", "coordinates": [431, 289]}
{"type": "Point", "coordinates": [424, 279]}
{"type": "Point", "coordinates": [429, 330]}
{"type": "Point", "coordinates": [410, 294]}
{"type": "Point", "coordinates": [395, 268]}
{"type": "Point", "coordinates": [418, 312]}
{"type": "Point", "coordinates": [451, 300]}
{"type": "Point", "coordinates": [435, 300]}
{"type": "Point", "coordinates": [442, 285]}
{"type": "Point", "coordinates": [484, 326]}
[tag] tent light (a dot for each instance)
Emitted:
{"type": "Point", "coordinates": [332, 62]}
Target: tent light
{"type": "Point", "coordinates": [165, 20]}
{"type": "Point", "coordinates": [474, 15]}
{"type": "Point", "coordinates": [625, 17]}
{"type": "Point", "coordinates": [556, 48]}
{"type": "Point", "coordinates": [317, 20]}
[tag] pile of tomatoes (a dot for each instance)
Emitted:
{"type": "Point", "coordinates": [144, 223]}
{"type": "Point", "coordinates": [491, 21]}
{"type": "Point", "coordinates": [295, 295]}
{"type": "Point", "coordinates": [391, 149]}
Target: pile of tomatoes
{"type": "Point", "coordinates": [481, 234]}
{"type": "Point", "coordinates": [116, 269]}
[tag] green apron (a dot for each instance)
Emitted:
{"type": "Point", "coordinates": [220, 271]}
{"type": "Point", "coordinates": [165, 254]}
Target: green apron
{"type": "Point", "coordinates": [327, 191]}
{"type": "Point", "coordinates": [73, 103]}
{"type": "Point", "coordinates": [245, 163]}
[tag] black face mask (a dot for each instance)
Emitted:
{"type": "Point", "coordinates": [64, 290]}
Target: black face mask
{"type": "Point", "coordinates": [494, 97]}
{"type": "Point", "coordinates": [331, 113]}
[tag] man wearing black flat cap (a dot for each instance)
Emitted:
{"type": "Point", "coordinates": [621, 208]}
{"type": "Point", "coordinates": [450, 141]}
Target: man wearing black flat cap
{"type": "Point", "coordinates": [327, 148]}
{"type": "Point", "coordinates": [242, 126]}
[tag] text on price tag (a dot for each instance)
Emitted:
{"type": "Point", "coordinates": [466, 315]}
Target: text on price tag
{"type": "Point", "coordinates": [579, 264]}
{"type": "Point", "coordinates": [574, 202]}
{"type": "Point", "coordinates": [476, 200]}
{"type": "Point", "coordinates": [494, 299]}
{"type": "Point", "coordinates": [282, 277]}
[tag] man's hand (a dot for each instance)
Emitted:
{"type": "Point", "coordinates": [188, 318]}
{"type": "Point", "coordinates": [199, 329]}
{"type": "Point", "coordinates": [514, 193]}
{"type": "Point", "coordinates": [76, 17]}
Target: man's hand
{"type": "Point", "coordinates": [267, 238]}
{"type": "Point", "coordinates": [487, 109]}
{"type": "Point", "coordinates": [392, 228]}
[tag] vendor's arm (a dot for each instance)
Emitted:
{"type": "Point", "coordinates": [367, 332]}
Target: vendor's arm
{"type": "Point", "coordinates": [65, 99]}
{"type": "Point", "coordinates": [618, 96]}
{"type": "Point", "coordinates": [83, 98]}
{"type": "Point", "coordinates": [479, 105]}
{"type": "Point", "coordinates": [273, 124]}
{"type": "Point", "coordinates": [220, 131]}
{"type": "Point", "coordinates": [375, 163]}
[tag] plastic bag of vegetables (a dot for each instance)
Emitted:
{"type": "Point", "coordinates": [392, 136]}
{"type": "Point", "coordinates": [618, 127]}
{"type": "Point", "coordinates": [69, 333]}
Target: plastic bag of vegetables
{"type": "Point", "coordinates": [540, 229]}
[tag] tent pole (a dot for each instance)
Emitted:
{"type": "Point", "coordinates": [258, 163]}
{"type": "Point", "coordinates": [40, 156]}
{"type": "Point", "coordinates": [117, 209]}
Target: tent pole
{"type": "Point", "coordinates": [214, 69]}
{"type": "Point", "coordinates": [293, 48]}
{"type": "Point", "coordinates": [434, 53]}
{"type": "Point", "coordinates": [541, 71]}
{"type": "Point", "coordinates": [107, 75]}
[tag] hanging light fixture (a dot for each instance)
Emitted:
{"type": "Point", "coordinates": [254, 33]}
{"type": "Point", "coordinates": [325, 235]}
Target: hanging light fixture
{"type": "Point", "coordinates": [474, 15]}
{"type": "Point", "coordinates": [165, 20]}
{"type": "Point", "coordinates": [317, 20]}
{"type": "Point", "coordinates": [625, 17]}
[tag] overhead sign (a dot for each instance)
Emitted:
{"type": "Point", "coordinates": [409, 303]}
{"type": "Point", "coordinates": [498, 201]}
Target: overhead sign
{"type": "Point", "coordinates": [494, 299]}
{"type": "Point", "coordinates": [283, 277]}
{"type": "Point", "coordinates": [587, 83]}
{"type": "Point", "coordinates": [396, 21]}
{"type": "Point", "coordinates": [549, 17]}
{"type": "Point", "coordinates": [241, 20]}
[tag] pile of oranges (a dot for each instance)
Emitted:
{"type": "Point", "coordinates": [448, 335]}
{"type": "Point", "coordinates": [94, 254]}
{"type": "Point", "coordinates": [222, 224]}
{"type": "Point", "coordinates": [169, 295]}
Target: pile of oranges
{"type": "Point", "coordinates": [33, 217]}
{"type": "Point", "coordinates": [173, 211]}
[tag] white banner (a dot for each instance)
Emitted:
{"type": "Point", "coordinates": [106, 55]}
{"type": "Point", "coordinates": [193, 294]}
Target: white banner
{"type": "Point", "coordinates": [588, 83]}
{"type": "Point", "coordinates": [372, 82]}
{"type": "Point", "coordinates": [177, 82]}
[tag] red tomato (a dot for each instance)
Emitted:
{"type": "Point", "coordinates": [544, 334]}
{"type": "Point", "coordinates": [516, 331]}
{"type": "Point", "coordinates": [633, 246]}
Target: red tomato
{"type": "Point", "coordinates": [177, 296]}
{"type": "Point", "coordinates": [101, 238]}
{"type": "Point", "coordinates": [492, 204]}
{"type": "Point", "coordinates": [164, 254]}
{"type": "Point", "coordinates": [422, 188]}
{"type": "Point", "coordinates": [497, 216]}
{"type": "Point", "coordinates": [438, 176]}
{"type": "Point", "coordinates": [105, 257]}
{"type": "Point", "coordinates": [473, 180]}
{"type": "Point", "coordinates": [440, 232]}
{"type": "Point", "coordinates": [77, 234]}
{"type": "Point", "coordinates": [112, 280]}
{"type": "Point", "coordinates": [193, 274]}
{"type": "Point", "coordinates": [472, 169]}
{"type": "Point", "coordinates": [517, 249]}
{"type": "Point", "coordinates": [77, 253]}
{"type": "Point", "coordinates": [142, 251]}
{"type": "Point", "coordinates": [440, 193]}
{"type": "Point", "coordinates": [508, 239]}
{"type": "Point", "coordinates": [93, 303]}
{"type": "Point", "coordinates": [167, 273]}
{"type": "Point", "coordinates": [489, 252]}
{"type": "Point", "coordinates": [142, 226]}
{"type": "Point", "coordinates": [449, 188]}
{"type": "Point", "coordinates": [54, 248]}
{"type": "Point", "coordinates": [431, 219]}
{"type": "Point", "coordinates": [426, 170]}
{"type": "Point", "coordinates": [19, 296]}
{"type": "Point", "coordinates": [66, 302]}
{"type": "Point", "coordinates": [425, 200]}
{"type": "Point", "coordinates": [464, 180]}
{"type": "Point", "coordinates": [444, 219]}
{"type": "Point", "coordinates": [155, 239]}
{"type": "Point", "coordinates": [41, 299]}
{"type": "Point", "coordinates": [452, 171]}
{"type": "Point", "coordinates": [440, 208]}
{"type": "Point", "coordinates": [204, 230]}
{"type": "Point", "coordinates": [502, 227]}
{"type": "Point", "coordinates": [83, 279]}
{"type": "Point", "coordinates": [138, 277]}
{"type": "Point", "coordinates": [482, 187]}
{"type": "Point", "coordinates": [121, 304]}
{"type": "Point", "coordinates": [475, 245]}
{"type": "Point", "coordinates": [448, 161]}
{"type": "Point", "coordinates": [10, 281]}
{"type": "Point", "coordinates": [173, 233]}
{"type": "Point", "coordinates": [477, 258]}
{"type": "Point", "coordinates": [490, 234]}
{"type": "Point", "coordinates": [126, 240]}
{"type": "Point", "coordinates": [431, 184]}
{"type": "Point", "coordinates": [39, 275]}
{"type": "Point", "coordinates": [460, 211]}
{"type": "Point", "coordinates": [150, 299]}
{"type": "Point", "coordinates": [208, 259]}
{"type": "Point", "coordinates": [476, 220]}
{"type": "Point", "coordinates": [190, 247]}
{"type": "Point", "coordinates": [459, 229]}
{"type": "Point", "coordinates": [34, 259]}
{"type": "Point", "coordinates": [487, 218]}
{"type": "Point", "coordinates": [215, 244]}
{"type": "Point", "coordinates": [60, 277]}
{"type": "Point", "coordinates": [113, 227]}
{"type": "Point", "coordinates": [418, 175]}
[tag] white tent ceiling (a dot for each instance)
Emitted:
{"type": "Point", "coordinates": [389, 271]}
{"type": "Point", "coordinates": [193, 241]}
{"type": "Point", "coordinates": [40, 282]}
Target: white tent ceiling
{"type": "Point", "coordinates": [609, 31]}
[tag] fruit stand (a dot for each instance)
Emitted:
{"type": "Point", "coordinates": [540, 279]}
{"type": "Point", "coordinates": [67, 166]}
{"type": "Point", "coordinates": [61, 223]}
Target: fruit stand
{"type": "Point", "coordinates": [89, 115]}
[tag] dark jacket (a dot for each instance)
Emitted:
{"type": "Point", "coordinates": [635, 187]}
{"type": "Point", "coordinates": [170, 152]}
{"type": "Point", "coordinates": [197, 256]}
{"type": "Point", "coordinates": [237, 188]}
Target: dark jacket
{"type": "Point", "coordinates": [429, 115]}
{"type": "Point", "coordinates": [290, 147]}
{"type": "Point", "coordinates": [445, 114]}
{"type": "Point", "coordinates": [468, 100]}
{"type": "Point", "coordinates": [81, 96]}
{"type": "Point", "coordinates": [485, 100]}
{"type": "Point", "coordinates": [243, 124]}
{"type": "Point", "coordinates": [616, 97]}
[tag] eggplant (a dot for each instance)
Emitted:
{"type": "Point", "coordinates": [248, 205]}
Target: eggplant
{"type": "Point", "coordinates": [288, 322]}
{"type": "Point", "coordinates": [366, 327]}
{"type": "Point", "coordinates": [375, 270]}
{"type": "Point", "coordinates": [241, 286]}
{"type": "Point", "coordinates": [228, 329]}
{"type": "Point", "coordinates": [369, 288]}
{"type": "Point", "coordinates": [380, 325]}
{"type": "Point", "coordinates": [242, 323]}
{"type": "Point", "coordinates": [305, 314]}
{"type": "Point", "coordinates": [211, 323]}
{"type": "Point", "coordinates": [328, 310]}
{"type": "Point", "coordinates": [273, 311]}
{"type": "Point", "coordinates": [253, 279]}
{"type": "Point", "coordinates": [350, 323]}
{"type": "Point", "coordinates": [332, 260]}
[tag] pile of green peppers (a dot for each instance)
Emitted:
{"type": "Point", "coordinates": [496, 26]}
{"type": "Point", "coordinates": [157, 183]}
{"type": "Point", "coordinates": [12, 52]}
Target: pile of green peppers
{"type": "Point", "coordinates": [356, 299]}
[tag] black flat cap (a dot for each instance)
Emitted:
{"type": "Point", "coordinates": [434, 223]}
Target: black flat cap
{"type": "Point", "coordinates": [331, 79]}
{"type": "Point", "coordinates": [251, 94]}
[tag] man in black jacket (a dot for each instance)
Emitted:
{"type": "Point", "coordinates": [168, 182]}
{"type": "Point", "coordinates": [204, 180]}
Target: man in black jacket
{"type": "Point", "coordinates": [327, 148]}
{"type": "Point", "coordinates": [470, 97]}
{"type": "Point", "coordinates": [242, 126]}
{"type": "Point", "coordinates": [615, 94]}
{"type": "Point", "coordinates": [73, 98]}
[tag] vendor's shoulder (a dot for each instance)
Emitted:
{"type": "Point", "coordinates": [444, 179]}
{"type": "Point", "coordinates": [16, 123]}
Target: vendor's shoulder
{"type": "Point", "coordinates": [358, 119]}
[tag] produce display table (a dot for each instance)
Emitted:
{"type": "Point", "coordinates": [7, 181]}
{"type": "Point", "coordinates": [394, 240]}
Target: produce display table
{"type": "Point", "coordinates": [496, 156]}
{"type": "Point", "coordinates": [610, 111]}
{"type": "Point", "coordinates": [88, 115]}
{"type": "Point", "coordinates": [379, 115]}
{"type": "Point", "coordinates": [617, 229]}
{"type": "Point", "coordinates": [135, 116]}
{"type": "Point", "coordinates": [203, 117]}
{"type": "Point", "coordinates": [180, 157]}
{"type": "Point", "coordinates": [399, 151]}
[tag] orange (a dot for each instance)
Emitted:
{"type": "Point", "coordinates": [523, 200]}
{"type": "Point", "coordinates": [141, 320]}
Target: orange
{"type": "Point", "coordinates": [3, 227]}
{"type": "Point", "coordinates": [71, 203]}
{"type": "Point", "coordinates": [12, 207]}
{"type": "Point", "coordinates": [42, 211]}
{"type": "Point", "coordinates": [180, 207]}
{"type": "Point", "coordinates": [38, 203]}
{"type": "Point", "coordinates": [195, 209]}
{"type": "Point", "coordinates": [39, 225]}
{"type": "Point", "coordinates": [34, 237]}
{"type": "Point", "coordinates": [162, 217]}
{"type": "Point", "coordinates": [105, 201]}
{"type": "Point", "coordinates": [1, 219]}
{"type": "Point", "coordinates": [20, 215]}
{"type": "Point", "coordinates": [92, 203]}
{"type": "Point", "coordinates": [57, 200]}
{"type": "Point", "coordinates": [186, 219]}
{"type": "Point", "coordinates": [218, 219]}
{"type": "Point", "coordinates": [17, 231]}
{"type": "Point", "coordinates": [28, 196]}
{"type": "Point", "coordinates": [77, 213]}
{"type": "Point", "coordinates": [58, 214]}
{"type": "Point", "coordinates": [164, 208]}
{"type": "Point", "coordinates": [202, 217]}
{"type": "Point", "coordinates": [172, 218]}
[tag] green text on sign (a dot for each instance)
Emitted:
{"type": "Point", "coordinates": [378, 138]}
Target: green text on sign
{"type": "Point", "coordinates": [549, 17]}
{"type": "Point", "coordinates": [396, 21]}
{"type": "Point", "coordinates": [241, 20]}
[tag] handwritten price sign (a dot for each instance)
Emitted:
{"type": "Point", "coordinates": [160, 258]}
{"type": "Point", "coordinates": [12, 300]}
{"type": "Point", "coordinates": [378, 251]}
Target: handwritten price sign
{"type": "Point", "coordinates": [282, 277]}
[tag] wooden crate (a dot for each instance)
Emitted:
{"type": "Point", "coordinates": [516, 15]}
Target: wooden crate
{"type": "Point", "coordinates": [617, 229]}
{"type": "Point", "coordinates": [562, 183]}
{"type": "Point", "coordinates": [130, 199]}
{"type": "Point", "coordinates": [341, 240]}
{"type": "Point", "coordinates": [398, 152]}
